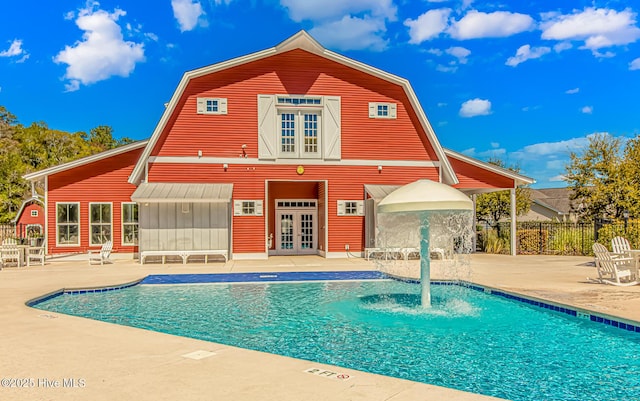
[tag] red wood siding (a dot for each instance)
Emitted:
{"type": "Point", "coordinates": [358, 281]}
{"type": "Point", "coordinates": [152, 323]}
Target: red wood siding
{"type": "Point", "coordinates": [101, 181]}
{"type": "Point", "coordinates": [344, 183]}
{"type": "Point", "coordinates": [26, 218]}
{"type": "Point", "coordinates": [294, 72]}
{"type": "Point", "coordinates": [470, 176]}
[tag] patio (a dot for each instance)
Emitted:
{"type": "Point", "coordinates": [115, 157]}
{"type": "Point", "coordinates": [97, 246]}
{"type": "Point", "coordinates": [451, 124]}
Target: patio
{"type": "Point", "coordinates": [109, 361]}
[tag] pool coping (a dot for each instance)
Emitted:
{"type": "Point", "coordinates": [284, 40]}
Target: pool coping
{"type": "Point", "coordinates": [359, 275]}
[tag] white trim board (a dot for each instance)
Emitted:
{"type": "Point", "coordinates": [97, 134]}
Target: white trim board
{"type": "Point", "coordinates": [292, 162]}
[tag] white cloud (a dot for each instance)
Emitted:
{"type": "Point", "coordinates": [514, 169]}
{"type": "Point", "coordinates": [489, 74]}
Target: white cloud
{"type": "Point", "coordinates": [587, 110]}
{"type": "Point", "coordinates": [102, 53]}
{"type": "Point", "coordinates": [460, 53]}
{"type": "Point", "coordinates": [428, 26]}
{"type": "Point", "coordinates": [635, 64]}
{"type": "Point", "coordinates": [447, 68]}
{"type": "Point", "coordinates": [322, 10]}
{"type": "Point", "coordinates": [15, 49]}
{"type": "Point", "coordinates": [352, 33]}
{"type": "Point", "coordinates": [597, 27]}
{"type": "Point", "coordinates": [475, 107]}
{"type": "Point", "coordinates": [562, 46]}
{"type": "Point", "coordinates": [525, 53]}
{"type": "Point", "coordinates": [187, 13]}
{"type": "Point", "coordinates": [499, 24]}
{"type": "Point", "coordinates": [352, 25]}
{"type": "Point", "coordinates": [553, 148]}
{"type": "Point", "coordinates": [572, 91]}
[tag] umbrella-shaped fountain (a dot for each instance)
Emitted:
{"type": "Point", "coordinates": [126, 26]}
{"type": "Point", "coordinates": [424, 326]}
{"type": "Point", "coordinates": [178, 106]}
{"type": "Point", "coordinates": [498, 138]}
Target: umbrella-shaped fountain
{"type": "Point", "coordinates": [428, 201]}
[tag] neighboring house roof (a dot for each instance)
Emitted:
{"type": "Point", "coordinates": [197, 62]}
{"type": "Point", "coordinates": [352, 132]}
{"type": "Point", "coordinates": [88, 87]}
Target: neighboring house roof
{"type": "Point", "coordinates": [24, 204]}
{"type": "Point", "coordinates": [301, 40]}
{"type": "Point", "coordinates": [518, 179]}
{"type": "Point", "coordinates": [85, 160]}
{"type": "Point", "coordinates": [555, 199]}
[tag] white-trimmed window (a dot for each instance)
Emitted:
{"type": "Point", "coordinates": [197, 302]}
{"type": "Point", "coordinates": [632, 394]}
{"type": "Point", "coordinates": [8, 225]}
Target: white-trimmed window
{"type": "Point", "coordinates": [211, 105]}
{"type": "Point", "coordinates": [68, 224]}
{"type": "Point", "coordinates": [350, 208]}
{"type": "Point", "coordinates": [34, 213]}
{"type": "Point", "coordinates": [382, 110]}
{"type": "Point", "coordinates": [247, 207]}
{"type": "Point", "coordinates": [129, 223]}
{"type": "Point", "coordinates": [100, 223]}
{"type": "Point", "coordinates": [299, 127]}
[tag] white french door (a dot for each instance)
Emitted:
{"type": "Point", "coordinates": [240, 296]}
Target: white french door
{"type": "Point", "coordinates": [296, 231]}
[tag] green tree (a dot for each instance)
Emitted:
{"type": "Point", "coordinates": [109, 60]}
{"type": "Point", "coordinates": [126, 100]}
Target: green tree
{"type": "Point", "coordinates": [27, 149]}
{"type": "Point", "coordinates": [495, 206]}
{"type": "Point", "coordinates": [597, 177]}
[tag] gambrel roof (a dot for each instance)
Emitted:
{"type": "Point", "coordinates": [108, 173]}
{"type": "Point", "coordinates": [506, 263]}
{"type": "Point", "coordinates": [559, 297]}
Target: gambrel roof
{"type": "Point", "coordinates": [301, 40]}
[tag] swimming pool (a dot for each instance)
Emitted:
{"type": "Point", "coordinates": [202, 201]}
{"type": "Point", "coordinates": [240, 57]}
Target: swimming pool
{"type": "Point", "coordinates": [469, 340]}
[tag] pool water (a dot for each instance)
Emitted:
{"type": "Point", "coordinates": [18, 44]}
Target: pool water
{"type": "Point", "coordinates": [468, 340]}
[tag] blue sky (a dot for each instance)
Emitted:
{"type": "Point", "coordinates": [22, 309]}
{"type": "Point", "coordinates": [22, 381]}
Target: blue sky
{"type": "Point", "coordinates": [526, 82]}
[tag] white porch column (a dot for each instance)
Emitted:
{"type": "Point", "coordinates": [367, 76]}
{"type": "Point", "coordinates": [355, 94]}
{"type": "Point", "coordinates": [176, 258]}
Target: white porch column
{"type": "Point", "coordinates": [475, 223]}
{"type": "Point", "coordinates": [513, 221]}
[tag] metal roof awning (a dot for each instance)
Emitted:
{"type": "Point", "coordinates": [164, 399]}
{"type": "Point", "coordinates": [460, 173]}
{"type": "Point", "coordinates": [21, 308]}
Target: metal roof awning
{"type": "Point", "coordinates": [378, 192]}
{"type": "Point", "coordinates": [164, 192]}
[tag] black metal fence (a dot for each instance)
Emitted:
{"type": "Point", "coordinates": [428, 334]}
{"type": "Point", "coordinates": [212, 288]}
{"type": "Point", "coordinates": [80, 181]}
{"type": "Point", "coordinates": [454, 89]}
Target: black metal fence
{"type": "Point", "coordinates": [556, 238]}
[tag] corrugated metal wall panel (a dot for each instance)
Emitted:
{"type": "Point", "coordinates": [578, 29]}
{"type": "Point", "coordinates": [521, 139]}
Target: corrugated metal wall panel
{"type": "Point", "coordinates": [172, 226]}
{"type": "Point", "coordinates": [102, 181]}
{"type": "Point", "coordinates": [294, 72]}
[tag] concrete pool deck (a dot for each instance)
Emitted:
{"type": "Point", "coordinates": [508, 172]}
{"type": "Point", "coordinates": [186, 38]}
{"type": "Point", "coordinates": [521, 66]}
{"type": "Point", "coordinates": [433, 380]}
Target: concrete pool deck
{"type": "Point", "coordinates": [60, 357]}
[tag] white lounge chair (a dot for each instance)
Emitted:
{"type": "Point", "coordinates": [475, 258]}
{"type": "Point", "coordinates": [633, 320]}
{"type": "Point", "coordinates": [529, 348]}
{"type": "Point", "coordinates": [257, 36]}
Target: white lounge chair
{"type": "Point", "coordinates": [101, 256]}
{"type": "Point", "coordinates": [620, 246]}
{"type": "Point", "coordinates": [611, 269]}
{"type": "Point", "coordinates": [35, 254]}
{"type": "Point", "coordinates": [9, 252]}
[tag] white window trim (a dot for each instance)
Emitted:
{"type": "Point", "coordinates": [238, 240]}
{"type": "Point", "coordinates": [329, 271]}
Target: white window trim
{"type": "Point", "coordinates": [270, 134]}
{"type": "Point", "coordinates": [201, 105]}
{"type": "Point", "coordinates": [392, 107]}
{"type": "Point", "coordinates": [258, 207]}
{"type": "Point", "coordinates": [342, 208]}
{"type": "Point", "coordinates": [58, 227]}
{"type": "Point", "coordinates": [89, 218]}
{"type": "Point", "coordinates": [122, 223]}
{"type": "Point", "coordinates": [34, 213]}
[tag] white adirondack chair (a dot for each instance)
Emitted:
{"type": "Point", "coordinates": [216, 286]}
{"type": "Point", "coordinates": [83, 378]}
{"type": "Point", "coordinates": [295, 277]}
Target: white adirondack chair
{"type": "Point", "coordinates": [620, 246]}
{"type": "Point", "coordinates": [613, 270]}
{"type": "Point", "coordinates": [9, 252]}
{"type": "Point", "coordinates": [101, 256]}
{"type": "Point", "coordinates": [35, 254]}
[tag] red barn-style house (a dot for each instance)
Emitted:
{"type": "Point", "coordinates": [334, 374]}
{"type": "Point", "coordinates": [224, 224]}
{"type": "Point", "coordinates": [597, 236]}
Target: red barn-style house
{"type": "Point", "coordinates": [273, 153]}
{"type": "Point", "coordinates": [29, 220]}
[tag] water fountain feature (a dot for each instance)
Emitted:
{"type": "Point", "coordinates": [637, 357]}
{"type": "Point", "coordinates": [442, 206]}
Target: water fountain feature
{"type": "Point", "coordinates": [432, 207]}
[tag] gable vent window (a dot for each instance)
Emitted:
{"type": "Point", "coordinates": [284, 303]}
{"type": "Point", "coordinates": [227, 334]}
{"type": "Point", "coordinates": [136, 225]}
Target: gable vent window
{"type": "Point", "coordinates": [350, 208]}
{"type": "Point", "coordinates": [211, 105]}
{"type": "Point", "coordinates": [382, 110]}
{"type": "Point", "coordinates": [247, 207]}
